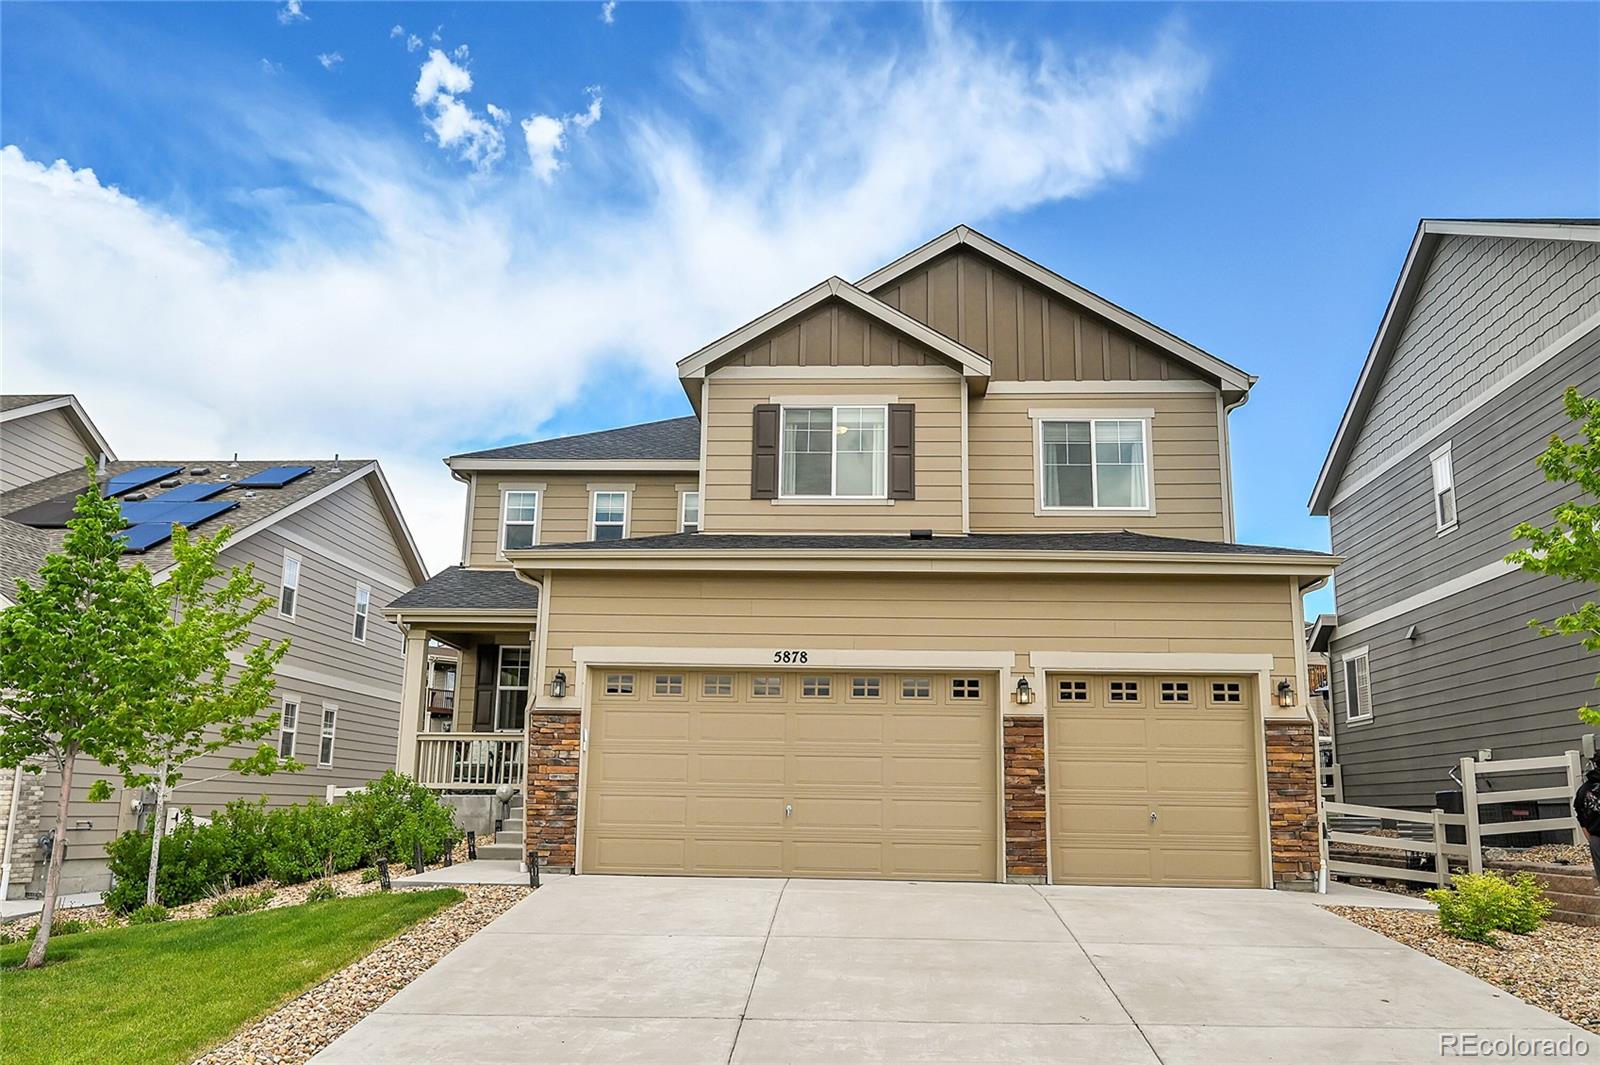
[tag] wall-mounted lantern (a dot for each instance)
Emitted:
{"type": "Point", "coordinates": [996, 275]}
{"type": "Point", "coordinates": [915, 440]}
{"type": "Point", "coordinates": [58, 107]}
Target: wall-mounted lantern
{"type": "Point", "coordinates": [1285, 693]}
{"type": "Point", "coordinates": [558, 686]}
{"type": "Point", "coordinates": [1024, 695]}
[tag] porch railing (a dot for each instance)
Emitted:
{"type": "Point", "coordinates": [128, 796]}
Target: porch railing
{"type": "Point", "coordinates": [468, 762]}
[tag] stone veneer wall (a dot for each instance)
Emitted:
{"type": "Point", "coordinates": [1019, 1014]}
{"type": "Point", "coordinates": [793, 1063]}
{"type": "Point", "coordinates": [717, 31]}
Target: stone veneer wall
{"type": "Point", "coordinates": [29, 825]}
{"type": "Point", "coordinates": [1292, 803]}
{"type": "Point", "coordinates": [551, 808]}
{"type": "Point", "coordinates": [1025, 799]}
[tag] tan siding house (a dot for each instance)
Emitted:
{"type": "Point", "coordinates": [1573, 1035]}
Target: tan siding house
{"type": "Point", "coordinates": [960, 600]}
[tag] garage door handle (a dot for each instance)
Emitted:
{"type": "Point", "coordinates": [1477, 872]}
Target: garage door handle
{"type": "Point", "coordinates": [1152, 817]}
{"type": "Point", "coordinates": [788, 809]}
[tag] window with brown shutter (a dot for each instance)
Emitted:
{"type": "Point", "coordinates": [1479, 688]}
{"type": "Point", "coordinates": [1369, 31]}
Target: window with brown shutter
{"type": "Point", "coordinates": [902, 451]}
{"type": "Point", "coordinates": [764, 452]}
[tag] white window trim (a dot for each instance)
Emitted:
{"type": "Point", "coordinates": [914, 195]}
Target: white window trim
{"type": "Point", "coordinates": [361, 616]}
{"type": "Point", "coordinates": [538, 515]}
{"type": "Point", "coordinates": [500, 671]}
{"type": "Point", "coordinates": [683, 508]}
{"type": "Point", "coordinates": [329, 726]}
{"type": "Point", "coordinates": [834, 407]}
{"type": "Point", "coordinates": [284, 730]}
{"type": "Point", "coordinates": [1348, 656]}
{"type": "Point", "coordinates": [1144, 417]}
{"type": "Point", "coordinates": [283, 582]}
{"type": "Point", "coordinates": [1442, 527]}
{"type": "Point", "coordinates": [627, 508]}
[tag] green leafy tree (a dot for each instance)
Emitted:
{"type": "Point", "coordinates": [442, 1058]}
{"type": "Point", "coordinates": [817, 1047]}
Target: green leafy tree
{"type": "Point", "coordinates": [1570, 547]}
{"type": "Point", "coordinates": [207, 701]}
{"type": "Point", "coordinates": [78, 663]}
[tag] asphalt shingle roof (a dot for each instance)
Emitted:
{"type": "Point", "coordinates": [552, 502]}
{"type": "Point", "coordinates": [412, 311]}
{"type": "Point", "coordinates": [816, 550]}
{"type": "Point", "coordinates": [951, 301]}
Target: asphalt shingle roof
{"type": "Point", "coordinates": [1064, 542]}
{"type": "Point", "coordinates": [483, 589]}
{"type": "Point", "coordinates": [19, 543]}
{"type": "Point", "coordinates": [675, 438]}
{"type": "Point", "coordinates": [12, 402]}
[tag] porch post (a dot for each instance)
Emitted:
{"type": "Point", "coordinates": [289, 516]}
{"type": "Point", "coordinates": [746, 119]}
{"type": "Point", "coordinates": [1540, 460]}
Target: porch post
{"type": "Point", "coordinates": [413, 696]}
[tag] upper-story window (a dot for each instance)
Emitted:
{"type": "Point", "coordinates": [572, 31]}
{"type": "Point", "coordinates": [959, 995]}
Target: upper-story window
{"type": "Point", "coordinates": [608, 515]}
{"type": "Point", "coordinates": [519, 519]}
{"type": "Point", "coordinates": [289, 590]}
{"type": "Point", "coordinates": [689, 512]}
{"type": "Point", "coordinates": [1357, 686]}
{"type": "Point", "coordinates": [1094, 464]}
{"type": "Point", "coordinates": [1444, 490]}
{"type": "Point", "coordinates": [358, 630]}
{"type": "Point", "coordinates": [834, 452]}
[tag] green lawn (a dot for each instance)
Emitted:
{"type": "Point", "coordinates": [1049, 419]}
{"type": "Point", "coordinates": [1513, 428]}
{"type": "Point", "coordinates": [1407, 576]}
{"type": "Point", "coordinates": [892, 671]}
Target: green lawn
{"type": "Point", "coordinates": [166, 992]}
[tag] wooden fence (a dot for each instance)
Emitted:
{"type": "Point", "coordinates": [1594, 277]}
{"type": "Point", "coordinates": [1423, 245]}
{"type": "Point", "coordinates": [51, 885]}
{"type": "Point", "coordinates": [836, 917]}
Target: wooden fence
{"type": "Point", "coordinates": [1423, 832]}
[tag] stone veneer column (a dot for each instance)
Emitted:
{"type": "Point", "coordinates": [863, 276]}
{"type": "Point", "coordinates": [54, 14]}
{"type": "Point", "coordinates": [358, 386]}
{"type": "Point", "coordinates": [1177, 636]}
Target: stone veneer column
{"type": "Point", "coordinates": [1292, 803]}
{"type": "Point", "coordinates": [1023, 741]}
{"type": "Point", "coordinates": [551, 806]}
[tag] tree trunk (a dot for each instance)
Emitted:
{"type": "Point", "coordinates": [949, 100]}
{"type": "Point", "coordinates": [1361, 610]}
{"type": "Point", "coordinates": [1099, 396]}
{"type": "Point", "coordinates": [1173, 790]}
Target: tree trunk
{"type": "Point", "coordinates": [158, 828]}
{"type": "Point", "coordinates": [52, 877]}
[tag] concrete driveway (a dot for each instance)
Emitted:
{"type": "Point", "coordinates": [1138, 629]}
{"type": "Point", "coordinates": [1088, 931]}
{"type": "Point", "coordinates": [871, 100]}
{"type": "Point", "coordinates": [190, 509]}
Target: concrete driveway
{"type": "Point", "coordinates": [648, 969]}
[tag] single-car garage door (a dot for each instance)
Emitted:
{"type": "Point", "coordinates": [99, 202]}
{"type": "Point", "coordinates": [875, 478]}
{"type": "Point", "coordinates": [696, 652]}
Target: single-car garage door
{"type": "Point", "coordinates": [864, 774]}
{"type": "Point", "coordinates": [1154, 780]}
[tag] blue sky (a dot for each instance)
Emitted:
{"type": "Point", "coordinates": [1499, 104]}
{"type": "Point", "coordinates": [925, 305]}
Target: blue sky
{"type": "Point", "coordinates": [296, 230]}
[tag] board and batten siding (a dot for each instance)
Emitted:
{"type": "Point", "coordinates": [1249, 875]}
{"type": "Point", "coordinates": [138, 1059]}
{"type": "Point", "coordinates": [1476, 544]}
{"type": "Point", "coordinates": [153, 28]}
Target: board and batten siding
{"type": "Point", "coordinates": [1027, 332]}
{"type": "Point", "coordinates": [1487, 305]}
{"type": "Point", "coordinates": [858, 612]}
{"type": "Point", "coordinates": [38, 446]}
{"type": "Point", "coordinates": [1386, 529]}
{"type": "Point", "coordinates": [833, 334]}
{"type": "Point", "coordinates": [1476, 676]}
{"type": "Point", "coordinates": [730, 405]}
{"type": "Point", "coordinates": [564, 505]}
{"type": "Point", "coordinates": [341, 540]}
{"type": "Point", "coordinates": [1185, 455]}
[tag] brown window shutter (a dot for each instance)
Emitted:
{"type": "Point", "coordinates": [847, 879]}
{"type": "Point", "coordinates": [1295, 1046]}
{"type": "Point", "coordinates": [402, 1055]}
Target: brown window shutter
{"type": "Point", "coordinates": [483, 693]}
{"type": "Point", "coordinates": [764, 452]}
{"type": "Point", "coordinates": [902, 451]}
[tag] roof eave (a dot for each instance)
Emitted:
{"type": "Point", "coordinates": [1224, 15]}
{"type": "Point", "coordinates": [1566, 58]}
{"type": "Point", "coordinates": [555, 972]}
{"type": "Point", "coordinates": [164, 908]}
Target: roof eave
{"type": "Point", "coordinates": [69, 403]}
{"type": "Point", "coordinates": [467, 464]}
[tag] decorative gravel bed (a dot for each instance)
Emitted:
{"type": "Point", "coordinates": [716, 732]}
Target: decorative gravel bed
{"type": "Point", "coordinates": [1556, 968]}
{"type": "Point", "coordinates": [306, 1025]}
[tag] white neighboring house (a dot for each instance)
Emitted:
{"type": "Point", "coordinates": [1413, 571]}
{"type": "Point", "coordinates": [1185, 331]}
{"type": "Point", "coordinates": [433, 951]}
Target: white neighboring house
{"type": "Point", "coordinates": [327, 539]}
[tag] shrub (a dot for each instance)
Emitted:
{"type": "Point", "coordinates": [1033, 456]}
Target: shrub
{"type": "Point", "coordinates": [322, 891]}
{"type": "Point", "coordinates": [369, 874]}
{"type": "Point", "coordinates": [1484, 903]}
{"type": "Point", "coordinates": [393, 813]}
{"type": "Point", "coordinates": [149, 915]}
{"type": "Point", "coordinates": [310, 841]}
{"type": "Point", "coordinates": [70, 926]}
{"type": "Point", "coordinates": [246, 902]}
{"type": "Point", "coordinates": [241, 830]}
{"type": "Point", "coordinates": [194, 863]}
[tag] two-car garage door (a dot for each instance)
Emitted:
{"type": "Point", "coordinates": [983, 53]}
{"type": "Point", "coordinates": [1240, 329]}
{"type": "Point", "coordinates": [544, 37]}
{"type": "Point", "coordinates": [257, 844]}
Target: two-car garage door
{"type": "Point", "coordinates": [827, 774]}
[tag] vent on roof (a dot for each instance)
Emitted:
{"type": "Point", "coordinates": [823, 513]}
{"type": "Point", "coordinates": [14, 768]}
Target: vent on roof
{"type": "Point", "coordinates": [134, 497]}
{"type": "Point", "coordinates": [922, 534]}
{"type": "Point", "coordinates": [199, 471]}
{"type": "Point", "coordinates": [171, 482]}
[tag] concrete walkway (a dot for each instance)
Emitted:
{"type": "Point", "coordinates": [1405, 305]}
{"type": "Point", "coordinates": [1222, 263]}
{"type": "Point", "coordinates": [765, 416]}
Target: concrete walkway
{"type": "Point", "coordinates": [482, 871]}
{"type": "Point", "coordinates": [638, 969]}
{"type": "Point", "coordinates": [10, 908]}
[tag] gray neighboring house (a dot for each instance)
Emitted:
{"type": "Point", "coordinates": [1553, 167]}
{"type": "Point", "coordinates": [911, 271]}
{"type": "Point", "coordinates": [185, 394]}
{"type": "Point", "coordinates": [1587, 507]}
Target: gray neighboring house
{"type": "Point", "coordinates": [1432, 467]}
{"type": "Point", "coordinates": [330, 545]}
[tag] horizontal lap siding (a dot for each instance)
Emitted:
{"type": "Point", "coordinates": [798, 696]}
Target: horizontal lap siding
{"type": "Point", "coordinates": [1185, 454]}
{"type": "Point", "coordinates": [1476, 676]}
{"type": "Point", "coordinates": [1028, 333]}
{"type": "Point", "coordinates": [1177, 615]}
{"type": "Point", "coordinates": [565, 503]}
{"type": "Point", "coordinates": [38, 446]}
{"type": "Point", "coordinates": [1387, 529]}
{"type": "Point", "coordinates": [1487, 305]}
{"type": "Point", "coordinates": [728, 507]}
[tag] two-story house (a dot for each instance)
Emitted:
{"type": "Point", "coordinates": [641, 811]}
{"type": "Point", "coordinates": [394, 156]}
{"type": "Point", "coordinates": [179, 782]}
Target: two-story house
{"type": "Point", "coordinates": [327, 539]}
{"type": "Point", "coordinates": [938, 581]}
{"type": "Point", "coordinates": [1432, 467]}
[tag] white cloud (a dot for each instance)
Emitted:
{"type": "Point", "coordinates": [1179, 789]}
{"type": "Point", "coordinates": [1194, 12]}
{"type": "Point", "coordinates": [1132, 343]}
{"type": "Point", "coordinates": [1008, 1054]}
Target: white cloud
{"type": "Point", "coordinates": [269, 67]}
{"type": "Point", "coordinates": [290, 13]}
{"type": "Point", "coordinates": [608, 12]}
{"type": "Point", "coordinates": [461, 52]}
{"type": "Point", "coordinates": [329, 60]}
{"type": "Point", "coordinates": [457, 127]}
{"type": "Point", "coordinates": [546, 136]}
{"type": "Point", "coordinates": [463, 311]}
{"type": "Point", "coordinates": [396, 30]}
{"type": "Point", "coordinates": [413, 43]}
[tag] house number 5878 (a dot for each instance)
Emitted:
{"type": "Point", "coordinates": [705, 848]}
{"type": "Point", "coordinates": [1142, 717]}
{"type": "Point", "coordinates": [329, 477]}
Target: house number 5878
{"type": "Point", "coordinates": [790, 658]}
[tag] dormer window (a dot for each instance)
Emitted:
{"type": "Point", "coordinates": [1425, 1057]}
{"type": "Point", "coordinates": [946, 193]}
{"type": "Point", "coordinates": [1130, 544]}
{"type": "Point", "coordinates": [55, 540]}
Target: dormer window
{"type": "Point", "coordinates": [835, 452]}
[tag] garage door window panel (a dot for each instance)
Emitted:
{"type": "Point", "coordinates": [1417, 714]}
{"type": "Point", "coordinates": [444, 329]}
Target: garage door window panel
{"type": "Point", "coordinates": [816, 687]}
{"type": "Point", "coordinates": [768, 686]}
{"type": "Point", "coordinates": [866, 687]}
{"type": "Point", "coordinates": [717, 685]}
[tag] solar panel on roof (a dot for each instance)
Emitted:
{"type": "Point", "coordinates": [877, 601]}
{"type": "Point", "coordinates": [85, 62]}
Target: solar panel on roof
{"type": "Point", "coordinates": [145, 536]}
{"type": "Point", "coordinates": [191, 493]}
{"type": "Point", "coordinates": [138, 478]}
{"type": "Point", "coordinates": [274, 477]}
{"type": "Point", "coordinates": [187, 513]}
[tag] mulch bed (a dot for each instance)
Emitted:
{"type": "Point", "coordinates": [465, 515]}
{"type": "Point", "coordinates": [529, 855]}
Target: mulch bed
{"type": "Point", "coordinates": [1556, 968]}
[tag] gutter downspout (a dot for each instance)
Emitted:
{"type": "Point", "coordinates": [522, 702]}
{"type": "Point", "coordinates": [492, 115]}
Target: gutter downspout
{"type": "Point", "coordinates": [11, 832]}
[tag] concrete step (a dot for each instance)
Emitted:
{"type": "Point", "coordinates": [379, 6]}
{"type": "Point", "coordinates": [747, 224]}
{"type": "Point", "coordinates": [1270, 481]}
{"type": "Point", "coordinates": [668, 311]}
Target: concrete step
{"type": "Point", "coordinates": [1589, 903]}
{"type": "Point", "coordinates": [1566, 879]}
{"type": "Point", "coordinates": [501, 852]}
{"type": "Point", "coordinates": [512, 836]}
{"type": "Point", "coordinates": [1588, 920]}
